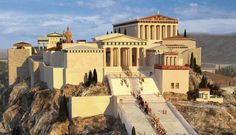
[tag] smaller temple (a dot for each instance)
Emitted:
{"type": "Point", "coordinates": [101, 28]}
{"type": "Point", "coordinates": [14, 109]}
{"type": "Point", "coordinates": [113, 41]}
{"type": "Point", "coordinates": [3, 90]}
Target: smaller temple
{"type": "Point", "coordinates": [50, 41]}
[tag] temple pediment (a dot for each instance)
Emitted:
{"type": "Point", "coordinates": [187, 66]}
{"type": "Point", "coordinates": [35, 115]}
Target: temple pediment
{"type": "Point", "coordinates": [54, 34]}
{"type": "Point", "coordinates": [117, 37]}
{"type": "Point", "coordinates": [156, 18]}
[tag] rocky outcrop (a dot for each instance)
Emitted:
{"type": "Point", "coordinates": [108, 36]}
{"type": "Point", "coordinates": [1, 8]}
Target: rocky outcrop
{"type": "Point", "coordinates": [209, 118]}
{"type": "Point", "coordinates": [35, 111]}
{"type": "Point", "coordinates": [194, 80]}
{"type": "Point", "coordinates": [80, 90]}
{"type": "Point", "coordinates": [31, 110]}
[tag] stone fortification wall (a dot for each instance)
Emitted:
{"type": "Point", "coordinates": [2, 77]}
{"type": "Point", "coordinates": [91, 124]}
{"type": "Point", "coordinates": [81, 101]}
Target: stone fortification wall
{"type": "Point", "coordinates": [18, 68]}
{"type": "Point", "coordinates": [34, 71]}
{"type": "Point", "coordinates": [90, 106]}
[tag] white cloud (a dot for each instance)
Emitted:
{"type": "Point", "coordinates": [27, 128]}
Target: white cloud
{"type": "Point", "coordinates": [96, 3]}
{"type": "Point", "coordinates": [193, 4]}
{"type": "Point", "coordinates": [197, 11]}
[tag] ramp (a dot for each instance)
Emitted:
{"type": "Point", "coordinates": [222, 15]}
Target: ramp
{"type": "Point", "coordinates": [137, 119]}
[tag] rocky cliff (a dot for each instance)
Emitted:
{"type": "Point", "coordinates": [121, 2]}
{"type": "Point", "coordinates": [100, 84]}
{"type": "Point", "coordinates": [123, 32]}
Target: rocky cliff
{"type": "Point", "coordinates": [35, 111]}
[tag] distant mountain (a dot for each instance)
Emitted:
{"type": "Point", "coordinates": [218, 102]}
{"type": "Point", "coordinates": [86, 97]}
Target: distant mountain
{"type": "Point", "coordinates": [3, 54]}
{"type": "Point", "coordinates": [219, 49]}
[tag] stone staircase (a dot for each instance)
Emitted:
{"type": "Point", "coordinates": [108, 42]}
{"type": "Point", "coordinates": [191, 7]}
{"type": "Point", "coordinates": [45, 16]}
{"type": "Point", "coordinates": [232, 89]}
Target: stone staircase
{"type": "Point", "coordinates": [124, 85]}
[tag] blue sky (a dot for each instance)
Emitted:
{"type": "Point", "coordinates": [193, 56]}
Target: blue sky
{"type": "Point", "coordinates": [25, 20]}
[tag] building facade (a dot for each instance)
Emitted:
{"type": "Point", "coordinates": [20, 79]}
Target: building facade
{"type": "Point", "coordinates": [146, 45]}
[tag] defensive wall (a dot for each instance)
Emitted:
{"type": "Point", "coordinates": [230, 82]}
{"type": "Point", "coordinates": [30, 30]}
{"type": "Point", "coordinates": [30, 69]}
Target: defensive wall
{"type": "Point", "coordinates": [90, 106]}
{"type": "Point", "coordinates": [18, 68]}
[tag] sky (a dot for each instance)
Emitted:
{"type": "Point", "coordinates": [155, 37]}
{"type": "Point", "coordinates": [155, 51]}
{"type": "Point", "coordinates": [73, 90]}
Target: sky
{"type": "Point", "coordinates": [26, 20]}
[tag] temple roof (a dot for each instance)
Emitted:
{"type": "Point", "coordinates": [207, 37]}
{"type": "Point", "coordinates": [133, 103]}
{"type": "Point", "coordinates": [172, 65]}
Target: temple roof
{"type": "Point", "coordinates": [156, 18]}
{"type": "Point", "coordinates": [20, 44]}
{"type": "Point", "coordinates": [54, 34]}
{"type": "Point", "coordinates": [114, 37]}
{"type": "Point", "coordinates": [82, 47]}
{"type": "Point", "coordinates": [170, 53]}
{"type": "Point", "coordinates": [178, 38]}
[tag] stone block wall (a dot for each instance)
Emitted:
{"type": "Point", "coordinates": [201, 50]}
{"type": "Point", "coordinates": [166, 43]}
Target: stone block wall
{"type": "Point", "coordinates": [18, 65]}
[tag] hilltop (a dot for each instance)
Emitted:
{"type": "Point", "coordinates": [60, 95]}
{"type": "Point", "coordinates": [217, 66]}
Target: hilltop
{"type": "Point", "coordinates": [218, 49]}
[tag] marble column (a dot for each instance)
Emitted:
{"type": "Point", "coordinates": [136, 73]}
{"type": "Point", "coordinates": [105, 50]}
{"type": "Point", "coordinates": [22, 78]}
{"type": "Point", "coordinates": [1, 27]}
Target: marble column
{"type": "Point", "coordinates": [160, 32]}
{"type": "Point", "coordinates": [130, 57]}
{"type": "Point", "coordinates": [144, 57]}
{"type": "Point", "coordinates": [165, 31]}
{"type": "Point", "coordinates": [111, 57]}
{"type": "Point", "coordinates": [149, 32]}
{"type": "Point", "coordinates": [166, 61]}
{"type": "Point", "coordinates": [171, 30]}
{"type": "Point", "coordinates": [176, 29]}
{"type": "Point", "coordinates": [104, 57]}
{"type": "Point", "coordinates": [143, 32]}
{"type": "Point", "coordinates": [137, 57]}
{"type": "Point", "coordinates": [154, 32]}
{"type": "Point", "coordinates": [139, 31]}
{"type": "Point", "coordinates": [118, 56]}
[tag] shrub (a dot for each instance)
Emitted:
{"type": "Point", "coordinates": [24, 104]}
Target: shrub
{"type": "Point", "coordinates": [193, 94]}
{"type": "Point", "coordinates": [63, 113]}
{"type": "Point", "coordinates": [95, 78]}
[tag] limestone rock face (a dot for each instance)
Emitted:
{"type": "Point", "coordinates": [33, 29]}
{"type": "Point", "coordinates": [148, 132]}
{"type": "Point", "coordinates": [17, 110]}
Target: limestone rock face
{"type": "Point", "coordinates": [33, 111]}
{"type": "Point", "coordinates": [209, 119]}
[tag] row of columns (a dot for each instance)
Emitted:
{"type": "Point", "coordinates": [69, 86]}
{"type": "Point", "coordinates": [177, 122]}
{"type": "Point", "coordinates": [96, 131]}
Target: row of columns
{"type": "Point", "coordinates": [157, 32]}
{"type": "Point", "coordinates": [126, 58]}
{"type": "Point", "coordinates": [170, 61]}
{"type": "Point", "coordinates": [42, 44]}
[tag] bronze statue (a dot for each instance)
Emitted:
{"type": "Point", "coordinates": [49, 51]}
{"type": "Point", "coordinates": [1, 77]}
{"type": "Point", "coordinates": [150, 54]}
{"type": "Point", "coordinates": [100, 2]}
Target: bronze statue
{"type": "Point", "coordinates": [68, 35]}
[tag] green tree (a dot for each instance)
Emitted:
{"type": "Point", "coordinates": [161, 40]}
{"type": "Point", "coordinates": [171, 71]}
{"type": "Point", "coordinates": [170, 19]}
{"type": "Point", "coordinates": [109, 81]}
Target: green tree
{"type": "Point", "coordinates": [193, 94]}
{"type": "Point", "coordinates": [133, 131]}
{"type": "Point", "coordinates": [203, 83]}
{"type": "Point", "coordinates": [194, 63]}
{"type": "Point", "coordinates": [90, 78]}
{"type": "Point", "coordinates": [191, 61]}
{"type": "Point", "coordinates": [95, 78]}
{"type": "Point", "coordinates": [63, 113]}
{"type": "Point", "coordinates": [198, 70]}
{"type": "Point", "coordinates": [185, 33]}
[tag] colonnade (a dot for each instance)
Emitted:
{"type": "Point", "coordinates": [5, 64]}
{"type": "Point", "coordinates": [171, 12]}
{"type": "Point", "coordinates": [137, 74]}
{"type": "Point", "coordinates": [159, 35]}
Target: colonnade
{"type": "Point", "coordinates": [157, 32]}
{"type": "Point", "coordinates": [170, 61]}
{"type": "Point", "coordinates": [124, 56]}
{"type": "Point", "coordinates": [42, 44]}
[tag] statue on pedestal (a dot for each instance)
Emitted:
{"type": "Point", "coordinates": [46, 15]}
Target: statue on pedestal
{"type": "Point", "coordinates": [68, 35]}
